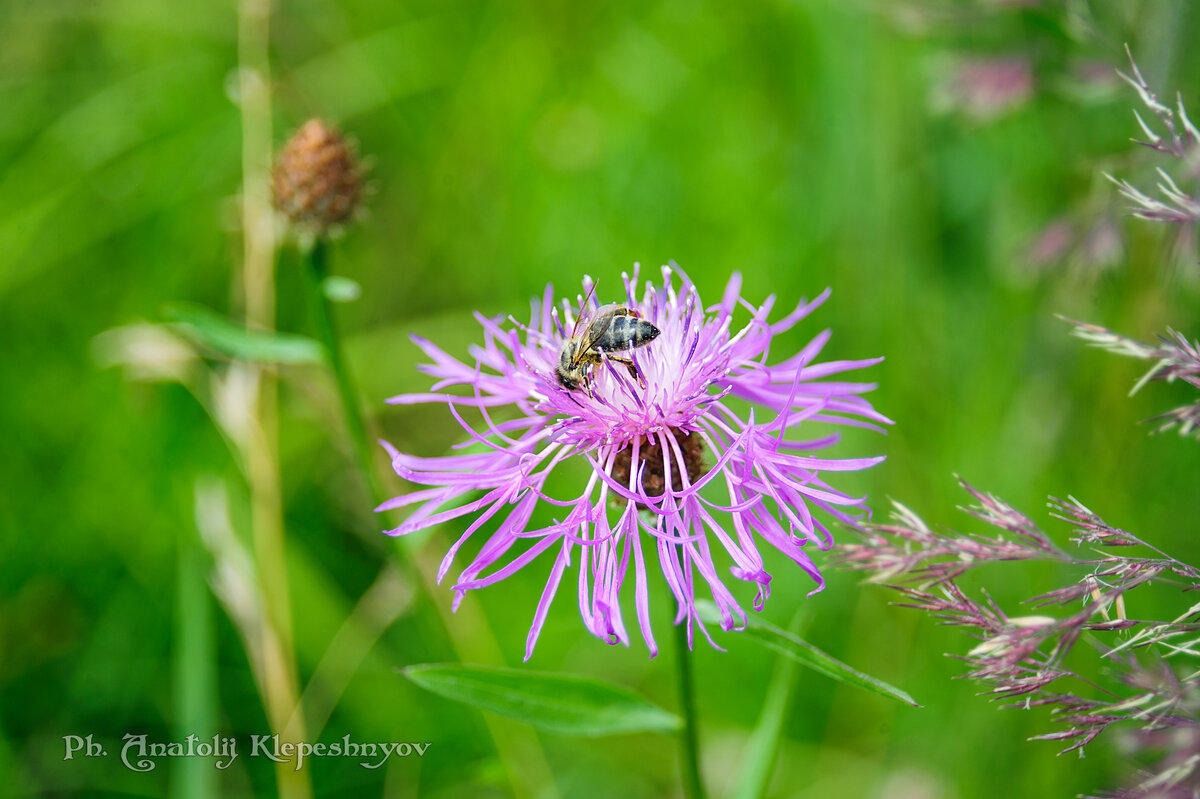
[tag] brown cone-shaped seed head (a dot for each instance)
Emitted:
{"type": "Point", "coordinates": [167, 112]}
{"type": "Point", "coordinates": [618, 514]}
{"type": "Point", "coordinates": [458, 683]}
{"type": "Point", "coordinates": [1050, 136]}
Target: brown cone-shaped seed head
{"type": "Point", "coordinates": [317, 182]}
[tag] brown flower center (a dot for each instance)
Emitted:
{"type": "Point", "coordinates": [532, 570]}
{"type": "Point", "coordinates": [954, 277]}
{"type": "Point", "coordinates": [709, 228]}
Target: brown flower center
{"type": "Point", "coordinates": [652, 464]}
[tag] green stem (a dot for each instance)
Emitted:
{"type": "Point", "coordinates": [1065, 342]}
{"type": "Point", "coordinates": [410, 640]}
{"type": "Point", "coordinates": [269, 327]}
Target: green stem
{"type": "Point", "coordinates": [689, 740]}
{"type": "Point", "coordinates": [195, 671]}
{"type": "Point", "coordinates": [471, 639]}
{"type": "Point", "coordinates": [316, 269]}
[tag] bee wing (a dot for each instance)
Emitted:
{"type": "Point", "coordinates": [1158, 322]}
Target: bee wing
{"type": "Point", "coordinates": [597, 326]}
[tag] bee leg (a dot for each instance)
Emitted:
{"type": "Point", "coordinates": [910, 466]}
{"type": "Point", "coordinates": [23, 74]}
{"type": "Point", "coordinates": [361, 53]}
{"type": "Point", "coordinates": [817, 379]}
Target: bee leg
{"type": "Point", "coordinates": [633, 370]}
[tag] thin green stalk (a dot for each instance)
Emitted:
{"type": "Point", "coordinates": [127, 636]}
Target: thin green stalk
{"type": "Point", "coordinates": [689, 739]}
{"type": "Point", "coordinates": [470, 637]}
{"type": "Point", "coordinates": [278, 679]}
{"type": "Point", "coordinates": [195, 675]}
{"type": "Point", "coordinates": [316, 269]}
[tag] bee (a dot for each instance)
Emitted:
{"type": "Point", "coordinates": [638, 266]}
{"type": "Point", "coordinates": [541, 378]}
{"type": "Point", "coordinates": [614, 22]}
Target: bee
{"type": "Point", "coordinates": [612, 328]}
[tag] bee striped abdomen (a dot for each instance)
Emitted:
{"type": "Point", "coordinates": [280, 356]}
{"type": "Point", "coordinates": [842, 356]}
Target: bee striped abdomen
{"type": "Point", "coordinates": [610, 330]}
{"type": "Point", "coordinates": [626, 333]}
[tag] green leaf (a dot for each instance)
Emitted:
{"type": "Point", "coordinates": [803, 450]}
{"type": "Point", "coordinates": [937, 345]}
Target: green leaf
{"type": "Point", "coordinates": [208, 329]}
{"type": "Point", "coordinates": [764, 633]}
{"type": "Point", "coordinates": [557, 703]}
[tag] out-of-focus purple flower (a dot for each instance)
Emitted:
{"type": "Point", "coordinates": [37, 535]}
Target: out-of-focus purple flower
{"type": "Point", "coordinates": [1094, 76]}
{"type": "Point", "coordinates": [683, 466]}
{"type": "Point", "coordinates": [985, 88]}
{"type": "Point", "coordinates": [1051, 244]}
{"type": "Point", "coordinates": [1102, 247]}
{"type": "Point", "coordinates": [1092, 246]}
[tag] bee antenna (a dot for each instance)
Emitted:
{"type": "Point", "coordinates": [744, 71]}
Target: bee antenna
{"type": "Point", "coordinates": [579, 317]}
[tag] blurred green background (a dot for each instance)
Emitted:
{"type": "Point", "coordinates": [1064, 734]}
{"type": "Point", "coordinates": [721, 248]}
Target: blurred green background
{"type": "Point", "coordinates": [856, 145]}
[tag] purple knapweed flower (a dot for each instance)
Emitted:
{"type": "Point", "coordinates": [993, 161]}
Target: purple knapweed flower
{"type": "Point", "coordinates": [685, 456]}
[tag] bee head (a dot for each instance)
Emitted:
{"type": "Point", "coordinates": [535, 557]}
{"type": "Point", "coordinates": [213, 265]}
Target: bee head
{"type": "Point", "coordinates": [568, 377]}
{"type": "Point", "coordinates": [567, 380]}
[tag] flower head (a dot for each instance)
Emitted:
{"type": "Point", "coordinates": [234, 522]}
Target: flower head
{"type": "Point", "coordinates": [317, 182]}
{"type": "Point", "coordinates": [668, 449]}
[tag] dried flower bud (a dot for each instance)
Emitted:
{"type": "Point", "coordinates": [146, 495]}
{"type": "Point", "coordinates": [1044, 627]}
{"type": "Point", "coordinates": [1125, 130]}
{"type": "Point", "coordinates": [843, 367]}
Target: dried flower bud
{"type": "Point", "coordinates": [317, 182]}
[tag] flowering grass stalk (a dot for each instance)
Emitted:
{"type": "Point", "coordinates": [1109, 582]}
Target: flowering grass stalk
{"type": "Point", "coordinates": [1179, 140]}
{"type": "Point", "coordinates": [654, 447]}
{"type": "Point", "coordinates": [1175, 358]}
{"type": "Point", "coordinates": [1025, 657]}
{"type": "Point", "coordinates": [1157, 698]}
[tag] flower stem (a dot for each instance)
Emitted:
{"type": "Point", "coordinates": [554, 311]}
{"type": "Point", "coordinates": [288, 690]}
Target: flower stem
{"type": "Point", "coordinates": [471, 639]}
{"type": "Point", "coordinates": [689, 742]}
{"type": "Point", "coordinates": [316, 269]}
{"type": "Point", "coordinates": [273, 639]}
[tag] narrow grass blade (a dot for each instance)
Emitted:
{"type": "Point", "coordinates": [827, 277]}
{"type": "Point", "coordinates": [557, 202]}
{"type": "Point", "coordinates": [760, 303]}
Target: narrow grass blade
{"type": "Point", "coordinates": [195, 673]}
{"type": "Point", "coordinates": [764, 633]}
{"type": "Point", "coordinates": [208, 329]}
{"type": "Point", "coordinates": [557, 703]}
{"type": "Point", "coordinates": [763, 747]}
{"type": "Point", "coordinates": [762, 750]}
